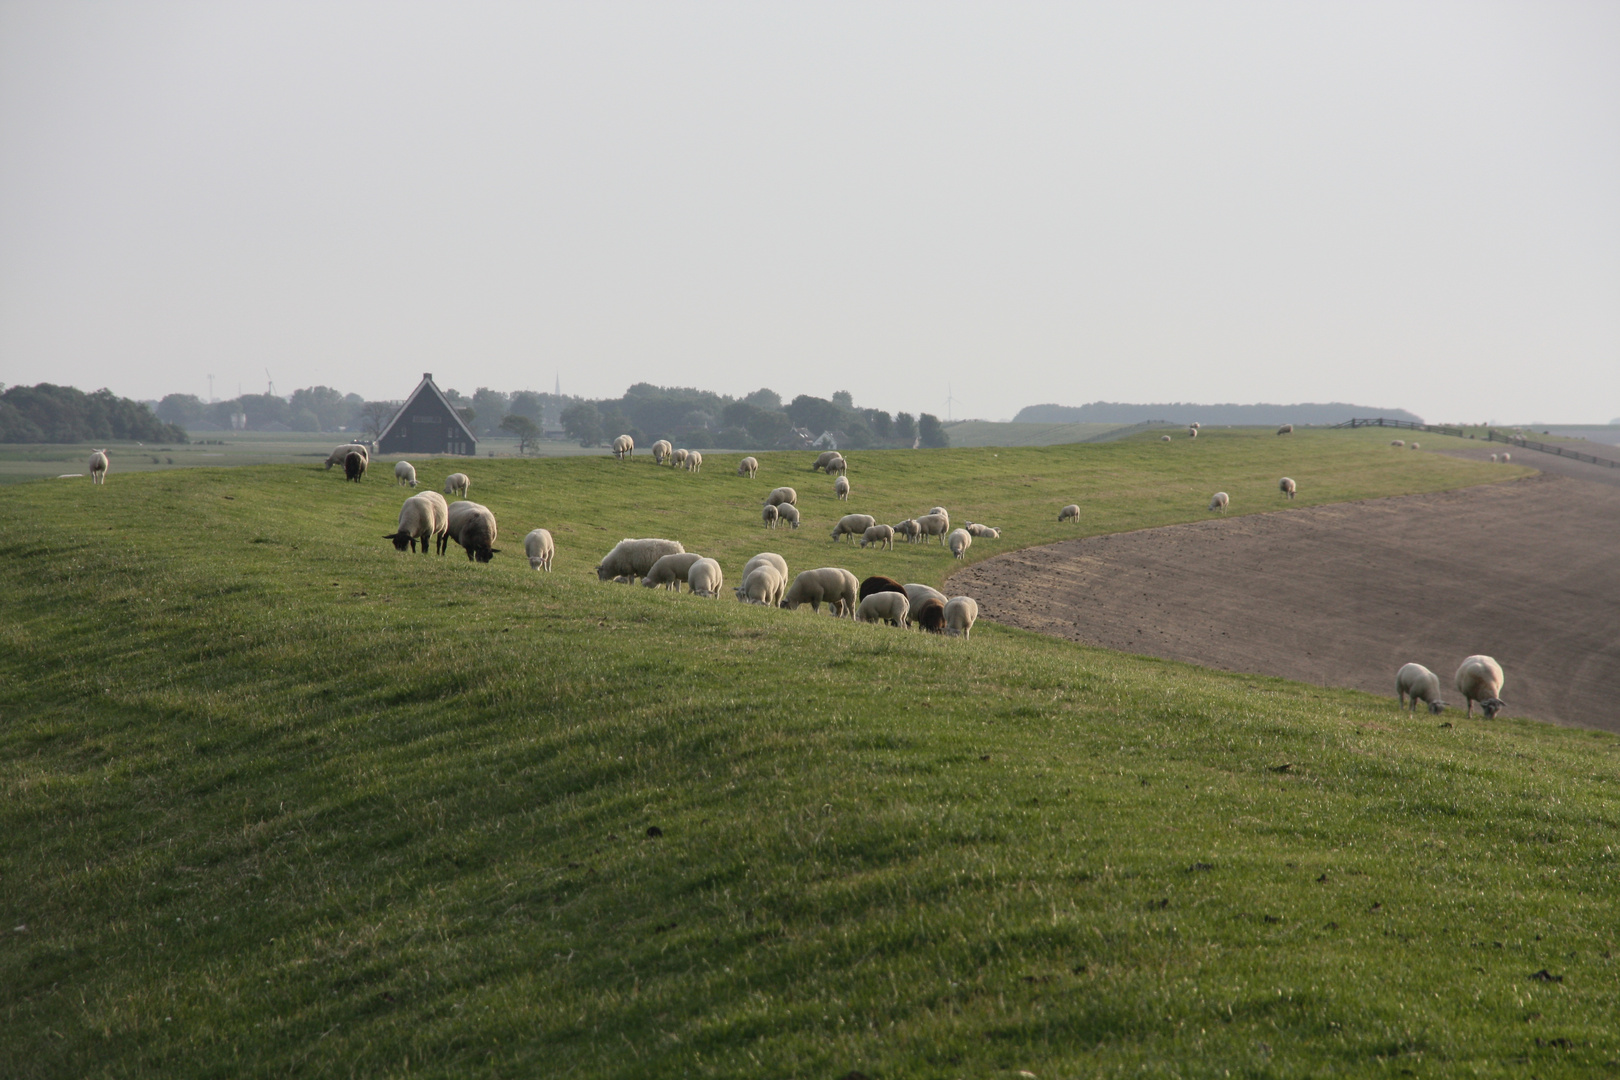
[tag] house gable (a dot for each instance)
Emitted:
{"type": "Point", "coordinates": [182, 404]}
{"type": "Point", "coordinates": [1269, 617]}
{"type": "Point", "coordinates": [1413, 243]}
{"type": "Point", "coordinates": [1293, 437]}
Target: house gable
{"type": "Point", "coordinates": [427, 424]}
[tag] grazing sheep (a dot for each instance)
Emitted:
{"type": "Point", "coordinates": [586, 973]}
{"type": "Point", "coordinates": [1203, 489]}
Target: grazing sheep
{"type": "Point", "coordinates": [1164, 438]}
{"type": "Point", "coordinates": [457, 483]}
{"type": "Point", "coordinates": [827, 585]}
{"type": "Point", "coordinates": [1416, 681]}
{"type": "Point", "coordinates": [764, 584]}
{"type": "Point", "coordinates": [841, 488]}
{"type": "Point", "coordinates": [908, 529]}
{"type": "Point", "coordinates": [929, 615]}
{"type": "Point", "coordinates": [1219, 500]}
{"type": "Point", "coordinates": [933, 525]}
{"type": "Point", "coordinates": [853, 525]}
{"type": "Point", "coordinates": [821, 461]}
{"type": "Point", "coordinates": [1493, 459]}
{"type": "Point", "coordinates": [939, 511]}
{"type": "Point", "coordinates": [661, 450]}
{"type": "Point", "coordinates": [1069, 513]}
{"type": "Point", "coordinates": [633, 558]}
{"type": "Point", "coordinates": [98, 466]}
{"type": "Point", "coordinates": [677, 459]}
{"type": "Point", "coordinates": [424, 517]}
{"type": "Point", "coordinates": [881, 535]}
{"type": "Point", "coordinates": [1480, 679]}
{"type": "Point", "coordinates": [694, 461]}
{"type": "Point", "coordinates": [884, 607]}
{"type": "Point", "coordinates": [771, 516]}
{"type": "Point", "coordinates": [1397, 442]}
{"type": "Point", "coordinates": [837, 465]}
{"type": "Point", "coordinates": [354, 467]}
{"type": "Point", "coordinates": [983, 531]}
{"type": "Point", "coordinates": [749, 467]}
{"type": "Point", "coordinates": [1287, 487]}
{"type": "Point", "coordinates": [918, 593]}
{"type": "Point", "coordinates": [1507, 458]}
{"type": "Point", "coordinates": [624, 446]}
{"type": "Point", "coordinates": [1192, 433]}
{"type": "Point", "coordinates": [878, 583]}
{"type": "Point", "coordinates": [404, 474]}
{"type": "Point", "coordinates": [705, 578]}
{"type": "Point", "coordinates": [1195, 425]}
{"type": "Point", "coordinates": [782, 495]}
{"type": "Point", "coordinates": [961, 612]}
{"type": "Point", "coordinates": [473, 527]}
{"type": "Point", "coordinates": [670, 570]}
{"type": "Point", "coordinates": [1286, 429]}
{"type": "Point", "coordinates": [339, 453]}
{"type": "Point", "coordinates": [767, 558]}
{"type": "Point", "coordinates": [789, 514]}
{"type": "Point", "coordinates": [539, 548]}
{"type": "Point", "coordinates": [1416, 445]}
{"type": "Point", "coordinates": [960, 540]}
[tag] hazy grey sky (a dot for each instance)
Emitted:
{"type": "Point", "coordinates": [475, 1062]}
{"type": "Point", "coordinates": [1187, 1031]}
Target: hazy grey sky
{"type": "Point", "coordinates": [1403, 204]}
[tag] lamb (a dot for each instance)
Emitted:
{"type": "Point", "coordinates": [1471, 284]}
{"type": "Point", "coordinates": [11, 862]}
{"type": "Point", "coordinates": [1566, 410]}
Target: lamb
{"type": "Point", "coordinates": [983, 531]}
{"type": "Point", "coordinates": [749, 467]}
{"type": "Point", "coordinates": [879, 583]}
{"type": "Point", "coordinates": [404, 474]}
{"type": "Point", "coordinates": [837, 465]}
{"type": "Point", "coordinates": [828, 585]}
{"type": "Point", "coordinates": [339, 453]}
{"type": "Point", "coordinates": [764, 584]}
{"type": "Point", "coordinates": [929, 615]}
{"type": "Point", "coordinates": [1069, 513]}
{"type": "Point", "coordinates": [633, 558]}
{"type": "Point", "coordinates": [98, 466]}
{"type": "Point", "coordinates": [670, 570]}
{"type": "Point", "coordinates": [354, 467]}
{"type": "Point", "coordinates": [539, 548]}
{"type": "Point", "coordinates": [771, 516]}
{"type": "Point", "coordinates": [853, 525]}
{"type": "Point", "coordinates": [1287, 487]}
{"type": "Point", "coordinates": [424, 517]}
{"type": "Point", "coordinates": [841, 488]}
{"type": "Point", "coordinates": [694, 461]}
{"type": "Point", "coordinates": [1506, 458]}
{"type": "Point", "coordinates": [705, 578]}
{"type": "Point", "coordinates": [1164, 438]}
{"type": "Point", "coordinates": [908, 529]}
{"type": "Point", "coordinates": [624, 446]}
{"type": "Point", "coordinates": [1397, 442]}
{"type": "Point", "coordinates": [677, 459]}
{"type": "Point", "coordinates": [473, 527]}
{"type": "Point", "coordinates": [961, 612]}
{"type": "Point", "coordinates": [884, 607]}
{"type": "Point", "coordinates": [1416, 681]}
{"type": "Point", "coordinates": [960, 540]}
{"type": "Point", "coordinates": [457, 483]}
{"type": "Point", "coordinates": [1219, 500]}
{"type": "Point", "coordinates": [881, 535]}
{"type": "Point", "coordinates": [661, 450]}
{"type": "Point", "coordinates": [933, 525]}
{"type": "Point", "coordinates": [1480, 679]}
{"type": "Point", "coordinates": [789, 514]}
{"type": "Point", "coordinates": [767, 558]}
{"type": "Point", "coordinates": [1286, 429]}
{"type": "Point", "coordinates": [821, 461]}
{"type": "Point", "coordinates": [782, 495]}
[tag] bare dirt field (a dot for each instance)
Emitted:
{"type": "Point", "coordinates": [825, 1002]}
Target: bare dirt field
{"type": "Point", "coordinates": [1343, 595]}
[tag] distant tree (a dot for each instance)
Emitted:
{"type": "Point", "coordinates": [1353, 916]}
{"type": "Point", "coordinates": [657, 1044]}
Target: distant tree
{"type": "Point", "coordinates": [329, 407]}
{"type": "Point", "coordinates": [187, 410]}
{"type": "Point", "coordinates": [468, 414]}
{"type": "Point", "coordinates": [262, 410]}
{"type": "Point", "coordinates": [492, 407]}
{"type": "Point", "coordinates": [932, 431]}
{"type": "Point", "coordinates": [815, 414]}
{"type": "Point", "coordinates": [522, 429]}
{"type": "Point", "coordinates": [904, 426]}
{"type": "Point", "coordinates": [879, 421]}
{"type": "Point", "coordinates": [528, 403]}
{"type": "Point", "coordinates": [843, 399]}
{"type": "Point", "coordinates": [374, 416]}
{"type": "Point", "coordinates": [768, 428]}
{"type": "Point", "coordinates": [305, 420]}
{"type": "Point", "coordinates": [47, 413]}
{"type": "Point", "coordinates": [583, 423]}
{"type": "Point", "coordinates": [766, 399]}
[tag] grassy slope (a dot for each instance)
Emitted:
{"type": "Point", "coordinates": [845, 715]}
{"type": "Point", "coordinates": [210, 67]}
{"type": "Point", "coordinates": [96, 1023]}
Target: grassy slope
{"type": "Point", "coordinates": [976, 433]}
{"type": "Point", "coordinates": [279, 801]}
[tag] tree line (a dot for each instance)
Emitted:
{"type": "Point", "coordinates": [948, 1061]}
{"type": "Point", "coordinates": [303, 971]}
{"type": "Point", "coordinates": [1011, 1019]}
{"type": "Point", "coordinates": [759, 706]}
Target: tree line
{"type": "Point", "coordinates": [63, 414]}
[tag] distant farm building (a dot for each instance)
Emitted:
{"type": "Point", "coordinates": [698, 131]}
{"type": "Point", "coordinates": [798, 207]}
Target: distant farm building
{"type": "Point", "coordinates": [427, 424]}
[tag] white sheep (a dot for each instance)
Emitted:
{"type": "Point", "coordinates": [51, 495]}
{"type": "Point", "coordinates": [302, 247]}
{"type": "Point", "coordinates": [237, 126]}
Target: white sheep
{"type": "Point", "coordinates": [1397, 443]}
{"type": "Point", "coordinates": [705, 578]}
{"type": "Point", "coordinates": [1416, 681]}
{"type": "Point", "coordinates": [960, 540]}
{"type": "Point", "coordinates": [1195, 425]}
{"type": "Point", "coordinates": [1507, 458]}
{"type": "Point", "coordinates": [932, 525]}
{"type": "Point", "coordinates": [961, 612]}
{"type": "Point", "coordinates": [880, 535]}
{"type": "Point", "coordinates": [782, 495]}
{"type": "Point", "coordinates": [1219, 500]}
{"type": "Point", "coordinates": [98, 466]}
{"type": "Point", "coordinates": [677, 459]}
{"type": "Point", "coordinates": [404, 474]}
{"type": "Point", "coordinates": [670, 570]}
{"type": "Point", "coordinates": [767, 558]}
{"type": "Point", "coordinates": [749, 467]}
{"type": "Point", "coordinates": [661, 450]}
{"type": "Point", "coordinates": [1493, 459]}
{"type": "Point", "coordinates": [884, 607]}
{"type": "Point", "coordinates": [764, 584]}
{"type": "Point", "coordinates": [1287, 487]}
{"type": "Point", "coordinates": [837, 465]}
{"type": "Point", "coordinates": [424, 516]}
{"type": "Point", "coordinates": [983, 531]}
{"type": "Point", "coordinates": [1069, 513]}
{"type": "Point", "coordinates": [1192, 432]}
{"type": "Point", "coordinates": [694, 461]}
{"type": "Point", "coordinates": [1286, 429]}
{"type": "Point", "coordinates": [771, 516]}
{"type": "Point", "coordinates": [339, 453]}
{"type": "Point", "coordinates": [841, 488]}
{"type": "Point", "coordinates": [624, 446]}
{"type": "Point", "coordinates": [1164, 438]}
{"type": "Point", "coordinates": [632, 559]}
{"type": "Point", "coordinates": [789, 514]}
{"type": "Point", "coordinates": [1480, 679]}
{"type": "Point", "coordinates": [908, 529]}
{"type": "Point", "coordinates": [853, 525]}
{"type": "Point", "coordinates": [939, 511]}
{"type": "Point", "coordinates": [539, 547]}
{"type": "Point", "coordinates": [1416, 445]}
{"type": "Point", "coordinates": [827, 585]}
{"type": "Point", "coordinates": [457, 483]}
{"type": "Point", "coordinates": [824, 457]}
{"type": "Point", "coordinates": [473, 527]}
{"type": "Point", "coordinates": [918, 593]}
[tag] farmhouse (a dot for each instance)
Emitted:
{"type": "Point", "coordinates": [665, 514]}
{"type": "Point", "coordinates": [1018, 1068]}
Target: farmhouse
{"type": "Point", "coordinates": [427, 424]}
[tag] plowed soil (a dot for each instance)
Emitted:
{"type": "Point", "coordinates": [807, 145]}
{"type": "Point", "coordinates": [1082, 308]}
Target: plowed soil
{"type": "Point", "coordinates": [1527, 571]}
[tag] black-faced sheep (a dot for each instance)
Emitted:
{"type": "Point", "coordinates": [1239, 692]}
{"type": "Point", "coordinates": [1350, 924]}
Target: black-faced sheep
{"type": "Point", "coordinates": [624, 446]}
{"type": "Point", "coordinates": [961, 612]}
{"type": "Point", "coordinates": [98, 466]}
{"type": "Point", "coordinates": [853, 525]}
{"type": "Point", "coordinates": [404, 474]}
{"type": "Point", "coordinates": [473, 527]}
{"type": "Point", "coordinates": [749, 467]}
{"type": "Point", "coordinates": [425, 517]}
{"type": "Point", "coordinates": [1069, 513]}
{"type": "Point", "coordinates": [1287, 487]}
{"type": "Point", "coordinates": [632, 559]}
{"type": "Point", "coordinates": [1480, 679]}
{"type": "Point", "coordinates": [354, 467]}
{"type": "Point", "coordinates": [878, 583]}
{"type": "Point", "coordinates": [339, 453]}
{"type": "Point", "coordinates": [1416, 681]}
{"type": "Point", "coordinates": [538, 546]}
{"type": "Point", "coordinates": [705, 578]}
{"type": "Point", "coordinates": [884, 607]}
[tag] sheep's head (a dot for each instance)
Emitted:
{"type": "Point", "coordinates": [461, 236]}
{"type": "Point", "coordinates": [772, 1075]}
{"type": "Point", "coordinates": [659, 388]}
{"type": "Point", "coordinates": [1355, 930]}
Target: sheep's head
{"type": "Point", "coordinates": [1491, 706]}
{"type": "Point", "coordinates": [400, 539]}
{"type": "Point", "coordinates": [603, 573]}
{"type": "Point", "coordinates": [483, 554]}
{"type": "Point", "coordinates": [1436, 708]}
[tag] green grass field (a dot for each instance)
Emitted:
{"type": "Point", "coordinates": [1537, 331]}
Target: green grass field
{"type": "Point", "coordinates": [278, 801]}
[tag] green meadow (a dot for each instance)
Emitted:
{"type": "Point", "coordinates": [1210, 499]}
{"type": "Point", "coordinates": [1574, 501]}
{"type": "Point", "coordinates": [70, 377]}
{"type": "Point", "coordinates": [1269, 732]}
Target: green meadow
{"type": "Point", "coordinates": [276, 800]}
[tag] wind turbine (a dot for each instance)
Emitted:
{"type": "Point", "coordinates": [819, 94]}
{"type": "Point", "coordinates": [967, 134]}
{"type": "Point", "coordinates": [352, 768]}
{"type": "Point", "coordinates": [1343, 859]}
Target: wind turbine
{"type": "Point", "coordinates": [270, 383]}
{"type": "Point", "coordinates": [949, 402]}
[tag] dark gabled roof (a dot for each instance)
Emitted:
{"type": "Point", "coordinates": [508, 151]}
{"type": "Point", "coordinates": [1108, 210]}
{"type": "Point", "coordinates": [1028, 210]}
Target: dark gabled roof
{"type": "Point", "coordinates": [427, 384]}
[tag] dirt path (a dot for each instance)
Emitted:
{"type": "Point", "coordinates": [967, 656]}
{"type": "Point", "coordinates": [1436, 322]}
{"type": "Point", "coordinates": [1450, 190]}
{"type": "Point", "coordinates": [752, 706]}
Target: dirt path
{"type": "Point", "coordinates": [1527, 571]}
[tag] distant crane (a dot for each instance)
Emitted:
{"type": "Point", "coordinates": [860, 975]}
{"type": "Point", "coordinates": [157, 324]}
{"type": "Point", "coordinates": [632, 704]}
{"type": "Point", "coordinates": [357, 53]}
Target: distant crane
{"type": "Point", "coordinates": [270, 383]}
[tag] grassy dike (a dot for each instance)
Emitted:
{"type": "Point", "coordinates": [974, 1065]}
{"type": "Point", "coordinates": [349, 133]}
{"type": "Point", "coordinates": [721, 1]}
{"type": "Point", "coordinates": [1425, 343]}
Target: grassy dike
{"type": "Point", "coordinates": [278, 801]}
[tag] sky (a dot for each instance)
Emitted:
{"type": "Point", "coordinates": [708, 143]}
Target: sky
{"type": "Point", "coordinates": [936, 206]}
